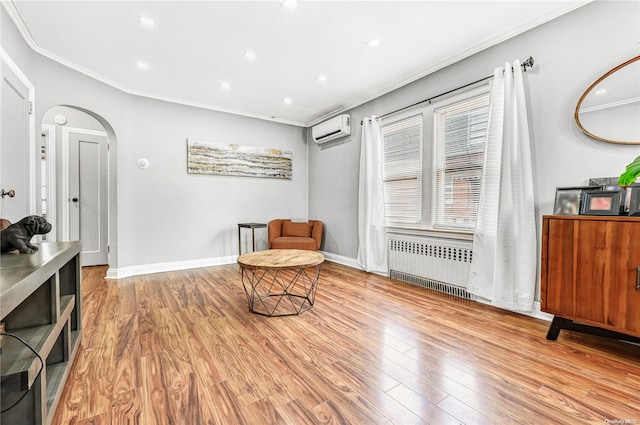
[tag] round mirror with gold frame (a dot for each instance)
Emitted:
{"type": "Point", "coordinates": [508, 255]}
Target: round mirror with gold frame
{"type": "Point", "coordinates": [609, 110]}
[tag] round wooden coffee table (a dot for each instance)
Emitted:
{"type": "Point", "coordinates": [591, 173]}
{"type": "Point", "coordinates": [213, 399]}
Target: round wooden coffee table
{"type": "Point", "coordinates": [280, 282]}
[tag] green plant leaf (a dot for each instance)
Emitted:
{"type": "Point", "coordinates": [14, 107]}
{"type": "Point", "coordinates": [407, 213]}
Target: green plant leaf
{"type": "Point", "coordinates": [631, 173]}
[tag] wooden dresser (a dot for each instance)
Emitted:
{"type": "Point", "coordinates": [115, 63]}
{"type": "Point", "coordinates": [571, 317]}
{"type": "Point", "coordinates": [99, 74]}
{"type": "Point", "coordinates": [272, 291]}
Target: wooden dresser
{"type": "Point", "coordinates": [590, 274]}
{"type": "Point", "coordinates": [40, 303]}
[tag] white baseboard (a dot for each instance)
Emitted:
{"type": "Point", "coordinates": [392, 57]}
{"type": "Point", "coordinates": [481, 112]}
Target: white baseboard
{"type": "Point", "coordinates": [345, 261]}
{"type": "Point", "coordinates": [219, 261]}
{"type": "Point", "coordinates": [349, 262]}
{"type": "Point", "coordinates": [123, 272]}
{"type": "Point", "coordinates": [352, 262]}
{"type": "Point", "coordinates": [537, 313]}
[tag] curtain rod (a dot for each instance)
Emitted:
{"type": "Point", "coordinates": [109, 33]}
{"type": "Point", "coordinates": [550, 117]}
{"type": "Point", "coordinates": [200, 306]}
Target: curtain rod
{"type": "Point", "coordinates": [528, 63]}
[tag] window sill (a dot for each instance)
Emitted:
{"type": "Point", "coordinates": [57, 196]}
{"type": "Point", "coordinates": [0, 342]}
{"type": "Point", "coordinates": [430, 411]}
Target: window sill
{"type": "Point", "coordinates": [444, 234]}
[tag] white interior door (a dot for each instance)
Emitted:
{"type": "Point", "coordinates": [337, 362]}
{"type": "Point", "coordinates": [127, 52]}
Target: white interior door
{"type": "Point", "coordinates": [88, 195]}
{"type": "Point", "coordinates": [15, 151]}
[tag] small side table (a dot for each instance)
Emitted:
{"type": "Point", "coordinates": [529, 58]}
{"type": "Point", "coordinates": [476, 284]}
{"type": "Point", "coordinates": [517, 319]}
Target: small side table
{"type": "Point", "coordinates": [253, 227]}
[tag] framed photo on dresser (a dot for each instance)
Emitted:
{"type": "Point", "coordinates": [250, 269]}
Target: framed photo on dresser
{"type": "Point", "coordinates": [632, 206]}
{"type": "Point", "coordinates": [598, 202]}
{"type": "Point", "coordinates": [568, 200]}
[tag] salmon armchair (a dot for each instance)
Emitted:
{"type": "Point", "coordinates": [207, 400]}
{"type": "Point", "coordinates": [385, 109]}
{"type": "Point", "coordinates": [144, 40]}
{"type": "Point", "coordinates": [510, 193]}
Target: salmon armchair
{"type": "Point", "coordinates": [286, 234]}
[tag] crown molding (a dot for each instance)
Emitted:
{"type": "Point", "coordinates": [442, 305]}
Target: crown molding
{"type": "Point", "coordinates": [15, 16]}
{"type": "Point", "coordinates": [564, 9]}
{"type": "Point", "coordinates": [28, 37]}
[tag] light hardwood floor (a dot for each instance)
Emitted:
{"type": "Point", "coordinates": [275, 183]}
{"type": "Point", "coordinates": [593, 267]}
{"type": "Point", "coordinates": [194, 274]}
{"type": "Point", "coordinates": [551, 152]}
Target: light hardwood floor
{"type": "Point", "coordinates": [182, 348]}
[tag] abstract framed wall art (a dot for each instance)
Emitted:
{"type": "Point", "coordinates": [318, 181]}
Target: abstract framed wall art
{"type": "Point", "coordinates": [225, 159]}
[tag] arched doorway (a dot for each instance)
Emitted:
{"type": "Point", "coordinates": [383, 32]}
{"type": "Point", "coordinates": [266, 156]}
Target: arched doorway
{"type": "Point", "coordinates": [74, 179]}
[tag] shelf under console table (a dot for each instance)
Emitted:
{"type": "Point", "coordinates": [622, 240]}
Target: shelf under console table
{"type": "Point", "coordinates": [40, 302]}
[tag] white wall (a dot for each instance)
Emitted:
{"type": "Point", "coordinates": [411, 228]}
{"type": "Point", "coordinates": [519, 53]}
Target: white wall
{"type": "Point", "coordinates": [169, 215]}
{"type": "Point", "coordinates": [162, 214]}
{"type": "Point", "coordinates": [570, 53]}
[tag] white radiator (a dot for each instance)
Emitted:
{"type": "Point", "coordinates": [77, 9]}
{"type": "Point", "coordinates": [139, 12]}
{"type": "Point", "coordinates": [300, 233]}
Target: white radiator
{"type": "Point", "coordinates": [435, 263]}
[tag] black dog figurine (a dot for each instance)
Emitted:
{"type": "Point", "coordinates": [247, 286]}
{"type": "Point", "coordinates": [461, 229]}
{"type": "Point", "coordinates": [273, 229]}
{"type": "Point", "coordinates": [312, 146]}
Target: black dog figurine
{"type": "Point", "coordinates": [18, 235]}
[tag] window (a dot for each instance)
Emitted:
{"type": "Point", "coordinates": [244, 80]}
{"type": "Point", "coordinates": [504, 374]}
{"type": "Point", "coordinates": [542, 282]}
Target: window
{"type": "Point", "coordinates": [402, 170]}
{"type": "Point", "coordinates": [460, 131]}
{"type": "Point", "coordinates": [437, 189]}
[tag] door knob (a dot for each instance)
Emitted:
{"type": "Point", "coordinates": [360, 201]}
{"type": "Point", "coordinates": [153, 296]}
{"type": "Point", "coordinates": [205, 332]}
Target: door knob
{"type": "Point", "coordinates": [75, 199]}
{"type": "Point", "coordinates": [11, 193]}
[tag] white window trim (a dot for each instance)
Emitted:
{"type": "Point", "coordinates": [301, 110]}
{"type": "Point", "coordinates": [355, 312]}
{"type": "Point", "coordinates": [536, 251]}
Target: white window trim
{"type": "Point", "coordinates": [425, 227]}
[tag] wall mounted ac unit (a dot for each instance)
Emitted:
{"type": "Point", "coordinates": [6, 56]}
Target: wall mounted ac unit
{"type": "Point", "coordinates": [335, 128]}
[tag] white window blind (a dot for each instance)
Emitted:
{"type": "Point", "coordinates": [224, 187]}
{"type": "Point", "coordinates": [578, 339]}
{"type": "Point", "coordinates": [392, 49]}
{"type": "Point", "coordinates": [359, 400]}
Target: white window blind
{"type": "Point", "coordinates": [459, 140]}
{"type": "Point", "coordinates": [402, 170]}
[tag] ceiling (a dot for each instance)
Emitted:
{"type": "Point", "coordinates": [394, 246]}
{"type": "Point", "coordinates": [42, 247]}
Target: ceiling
{"type": "Point", "coordinates": [193, 47]}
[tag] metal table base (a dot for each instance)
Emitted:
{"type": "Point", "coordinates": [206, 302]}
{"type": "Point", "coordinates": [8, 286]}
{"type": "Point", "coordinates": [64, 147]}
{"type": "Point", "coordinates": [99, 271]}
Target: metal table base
{"type": "Point", "coordinates": [282, 292]}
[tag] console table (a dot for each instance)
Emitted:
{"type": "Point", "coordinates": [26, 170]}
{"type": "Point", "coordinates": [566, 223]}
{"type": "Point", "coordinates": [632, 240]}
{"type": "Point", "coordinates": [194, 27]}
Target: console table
{"type": "Point", "coordinates": [40, 302]}
{"type": "Point", "coordinates": [590, 275]}
{"type": "Point", "coordinates": [280, 282]}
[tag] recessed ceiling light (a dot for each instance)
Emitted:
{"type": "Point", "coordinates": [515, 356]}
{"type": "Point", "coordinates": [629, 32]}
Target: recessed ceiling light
{"type": "Point", "coordinates": [142, 65]}
{"type": "Point", "coordinates": [601, 91]}
{"type": "Point", "coordinates": [321, 78]}
{"type": "Point", "coordinates": [287, 100]}
{"type": "Point", "coordinates": [374, 42]}
{"type": "Point", "coordinates": [249, 54]}
{"type": "Point", "coordinates": [225, 85]}
{"type": "Point", "coordinates": [145, 21]}
{"type": "Point", "coordinates": [290, 4]}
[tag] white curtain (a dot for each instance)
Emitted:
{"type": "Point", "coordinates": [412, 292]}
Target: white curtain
{"type": "Point", "coordinates": [503, 269]}
{"type": "Point", "coordinates": [372, 233]}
